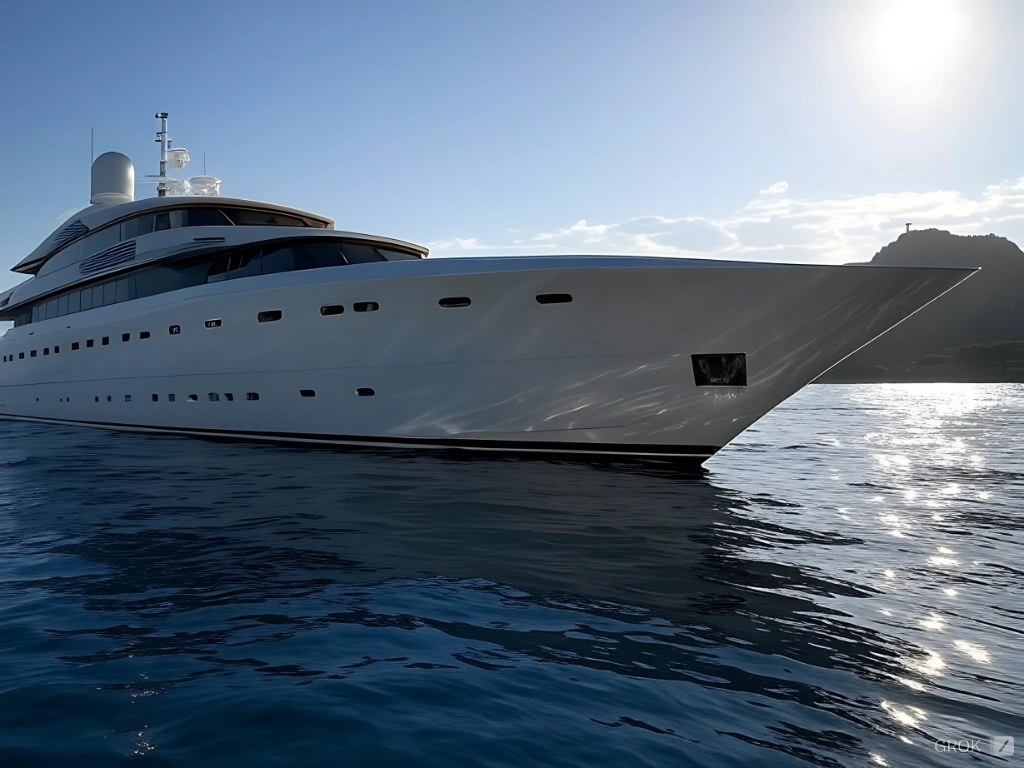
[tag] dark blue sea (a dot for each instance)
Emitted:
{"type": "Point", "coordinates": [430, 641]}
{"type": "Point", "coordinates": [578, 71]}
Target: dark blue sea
{"type": "Point", "coordinates": [843, 586]}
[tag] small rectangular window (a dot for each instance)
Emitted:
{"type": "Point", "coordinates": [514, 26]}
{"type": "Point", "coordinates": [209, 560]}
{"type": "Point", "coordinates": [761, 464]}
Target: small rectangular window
{"type": "Point", "coordinates": [144, 335]}
{"type": "Point", "coordinates": [365, 392]}
{"type": "Point", "coordinates": [193, 398]}
{"type": "Point", "coordinates": [46, 351]}
{"type": "Point", "coordinates": [170, 398]}
{"type": "Point", "coordinates": [722, 370]}
{"type": "Point", "coordinates": [127, 398]}
{"type": "Point", "coordinates": [74, 302]}
{"type": "Point", "coordinates": [156, 398]}
{"type": "Point", "coordinates": [229, 397]}
{"type": "Point", "coordinates": [56, 350]}
{"type": "Point", "coordinates": [109, 293]}
{"type": "Point", "coordinates": [213, 323]}
{"type": "Point", "coordinates": [269, 316]}
{"type": "Point", "coordinates": [90, 343]}
{"type": "Point", "coordinates": [214, 397]}
{"type": "Point", "coordinates": [332, 309]}
{"type": "Point", "coordinates": [106, 340]}
{"type": "Point", "coordinates": [86, 299]}
{"type": "Point", "coordinates": [21, 355]}
{"type": "Point", "coordinates": [366, 306]}
{"type": "Point", "coordinates": [32, 353]}
{"type": "Point", "coordinates": [455, 301]}
{"type": "Point", "coordinates": [252, 395]}
{"type": "Point", "coordinates": [126, 337]}
{"type": "Point", "coordinates": [97, 296]}
{"type": "Point", "coordinates": [307, 392]}
{"type": "Point", "coordinates": [51, 309]}
{"type": "Point", "coordinates": [174, 330]}
{"type": "Point", "coordinates": [62, 305]}
{"type": "Point", "coordinates": [122, 291]}
{"type": "Point", "coordinates": [74, 346]}
{"type": "Point", "coordinates": [108, 398]}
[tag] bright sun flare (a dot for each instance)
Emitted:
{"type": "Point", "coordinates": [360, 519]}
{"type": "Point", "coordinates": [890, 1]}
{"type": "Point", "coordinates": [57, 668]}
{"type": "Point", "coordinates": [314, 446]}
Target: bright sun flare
{"type": "Point", "coordinates": [915, 42]}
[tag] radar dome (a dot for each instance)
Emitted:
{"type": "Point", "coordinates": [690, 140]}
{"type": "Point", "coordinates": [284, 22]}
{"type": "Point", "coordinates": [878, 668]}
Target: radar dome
{"type": "Point", "coordinates": [113, 179]}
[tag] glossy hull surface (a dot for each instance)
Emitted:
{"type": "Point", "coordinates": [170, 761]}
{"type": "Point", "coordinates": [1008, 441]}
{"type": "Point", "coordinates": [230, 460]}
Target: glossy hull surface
{"type": "Point", "coordinates": [609, 373]}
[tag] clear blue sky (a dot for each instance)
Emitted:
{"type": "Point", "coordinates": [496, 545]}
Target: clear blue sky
{"type": "Point", "coordinates": [487, 127]}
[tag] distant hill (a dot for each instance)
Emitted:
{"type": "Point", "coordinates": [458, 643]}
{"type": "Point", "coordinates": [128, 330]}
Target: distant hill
{"type": "Point", "coordinates": [973, 333]}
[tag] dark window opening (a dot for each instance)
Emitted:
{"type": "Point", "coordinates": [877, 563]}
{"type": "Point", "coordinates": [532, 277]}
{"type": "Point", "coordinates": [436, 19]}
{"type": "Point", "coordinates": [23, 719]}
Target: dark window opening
{"type": "Point", "coordinates": [366, 306]}
{"type": "Point", "coordinates": [252, 395]}
{"type": "Point", "coordinates": [74, 346]}
{"type": "Point", "coordinates": [170, 398]}
{"type": "Point", "coordinates": [108, 398]}
{"type": "Point", "coordinates": [156, 398]}
{"type": "Point", "coordinates": [357, 253]}
{"type": "Point", "coordinates": [21, 355]}
{"type": "Point", "coordinates": [89, 343]}
{"type": "Point", "coordinates": [455, 301]}
{"type": "Point", "coordinates": [270, 316]}
{"type": "Point", "coordinates": [46, 351]}
{"type": "Point", "coordinates": [106, 340]}
{"type": "Point", "coordinates": [125, 336]}
{"type": "Point", "coordinates": [229, 397]}
{"type": "Point", "coordinates": [214, 397]}
{"type": "Point", "coordinates": [723, 370]}
{"type": "Point", "coordinates": [174, 330]}
{"type": "Point", "coordinates": [127, 398]}
{"type": "Point", "coordinates": [307, 392]}
{"type": "Point", "coordinates": [193, 398]}
{"type": "Point", "coordinates": [332, 309]}
{"type": "Point", "coordinates": [97, 399]}
{"type": "Point", "coordinates": [554, 298]}
{"type": "Point", "coordinates": [213, 323]}
{"type": "Point", "coordinates": [32, 353]}
{"type": "Point", "coordinates": [365, 392]}
{"type": "Point", "coordinates": [56, 350]}
{"type": "Point", "coordinates": [144, 335]}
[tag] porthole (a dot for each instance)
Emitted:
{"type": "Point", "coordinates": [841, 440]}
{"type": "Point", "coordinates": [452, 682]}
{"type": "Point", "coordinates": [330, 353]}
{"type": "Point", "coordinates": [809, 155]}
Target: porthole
{"type": "Point", "coordinates": [455, 301]}
{"type": "Point", "coordinates": [332, 309]}
{"type": "Point", "coordinates": [106, 340]}
{"type": "Point", "coordinates": [56, 350]}
{"type": "Point", "coordinates": [125, 336]}
{"type": "Point", "coordinates": [97, 399]}
{"type": "Point", "coordinates": [554, 298]}
{"type": "Point", "coordinates": [46, 351]}
{"type": "Point", "coordinates": [156, 398]}
{"type": "Point", "coordinates": [89, 343]}
{"type": "Point", "coordinates": [365, 392]}
{"type": "Point", "coordinates": [32, 353]}
{"type": "Point", "coordinates": [307, 392]}
{"type": "Point", "coordinates": [213, 323]}
{"type": "Point", "coordinates": [252, 395]}
{"type": "Point", "coordinates": [214, 397]}
{"type": "Point", "coordinates": [229, 397]}
{"type": "Point", "coordinates": [270, 316]}
{"type": "Point", "coordinates": [127, 398]}
{"type": "Point", "coordinates": [170, 398]}
{"type": "Point", "coordinates": [108, 398]}
{"type": "Point", "coordinates": [21, 355]}
{"type": "Point", "coordinates": [193, 398]}
{"type": "Point", "coordinates": [366, 306]}
{"type": "Point", "coordinates": [174, 330]}
{"type": "Point", "coordinates": [144, 335]}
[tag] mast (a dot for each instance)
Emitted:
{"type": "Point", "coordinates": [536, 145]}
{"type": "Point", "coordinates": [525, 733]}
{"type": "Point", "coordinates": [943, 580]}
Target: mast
{"type": "Point", "coordinates": [161, 187]}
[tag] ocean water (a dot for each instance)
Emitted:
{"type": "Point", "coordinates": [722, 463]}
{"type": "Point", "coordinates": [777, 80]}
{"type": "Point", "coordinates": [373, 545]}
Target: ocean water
{"type": "Point", "coordinates": [843, 586]}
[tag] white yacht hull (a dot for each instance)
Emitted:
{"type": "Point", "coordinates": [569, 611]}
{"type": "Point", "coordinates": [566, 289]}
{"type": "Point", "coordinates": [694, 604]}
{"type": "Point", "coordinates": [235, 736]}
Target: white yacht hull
{"type": "Point", "coordinates": [609, 373]}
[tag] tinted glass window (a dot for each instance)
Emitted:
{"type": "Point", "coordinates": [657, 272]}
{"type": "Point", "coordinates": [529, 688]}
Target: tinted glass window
{"type": "Point", "coordinates": [97, 241]}
{"type": "Point", "coordinates": [360, 254]}
{"type": "Point", "coordinates": [205, 217]}
{"type": "Point", "coordinates": [391, 255]}
{"type": "Point", "coordinates": [162, 221]}
{"type": "Point", "coordinates": [62, 305]}
{"type": "Point", "coordinates": [244, 264]}
{"type": "Point", "coordinates": [326, 254]}
{"type": "Point", "coordinates": [121, 291]}
{"type": "Point", "coordinates": [38, 313]}
{"type": "Point", "coordinates": [109, 293]}
{"type": "Point", "coordinates": [51, 309]}
{"type": "Point", "coordinates": [137, 227]}
{"type": "Point", "coordinates": [97, 296]}
{"type": "Point", "coordinates": [286, 259]}
{"type": "Point", "coordinates": [74, 302]}
{"type": "Point", "coordinates": [263, 218]}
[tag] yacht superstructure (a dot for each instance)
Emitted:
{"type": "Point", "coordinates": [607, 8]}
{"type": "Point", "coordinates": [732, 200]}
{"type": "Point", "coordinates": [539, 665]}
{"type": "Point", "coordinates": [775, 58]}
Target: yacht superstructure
{"type": "Point", "coordinates": [212, 316]}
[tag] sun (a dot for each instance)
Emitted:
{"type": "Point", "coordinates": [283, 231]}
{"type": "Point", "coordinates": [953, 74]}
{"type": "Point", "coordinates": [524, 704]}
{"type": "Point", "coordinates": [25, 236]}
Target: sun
{"type": "Point", "coordinates": [914, 44]}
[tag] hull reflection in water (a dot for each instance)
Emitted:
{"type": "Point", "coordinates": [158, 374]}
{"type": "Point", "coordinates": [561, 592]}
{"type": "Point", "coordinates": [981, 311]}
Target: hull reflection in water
{"type": "Point", "coordinates": [206, 602]}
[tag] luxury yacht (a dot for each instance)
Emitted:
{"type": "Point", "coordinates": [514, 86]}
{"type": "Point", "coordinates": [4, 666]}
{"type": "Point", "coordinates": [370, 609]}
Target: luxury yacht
{"type": "Point", "coordinates": [203, 315]}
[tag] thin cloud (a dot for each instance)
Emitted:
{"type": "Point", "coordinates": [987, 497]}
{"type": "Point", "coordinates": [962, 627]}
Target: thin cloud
{"type": "Point", "coordinates": [782, 228]}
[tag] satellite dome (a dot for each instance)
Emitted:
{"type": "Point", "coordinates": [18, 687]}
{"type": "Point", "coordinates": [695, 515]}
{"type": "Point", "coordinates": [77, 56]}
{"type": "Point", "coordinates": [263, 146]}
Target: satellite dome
{"type": "Point", "coordinates": [113, 179]}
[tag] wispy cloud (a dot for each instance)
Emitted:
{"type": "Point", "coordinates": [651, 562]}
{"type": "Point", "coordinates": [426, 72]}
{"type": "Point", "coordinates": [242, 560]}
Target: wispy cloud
{"type": "Point", "coordinates": [775, 225]}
